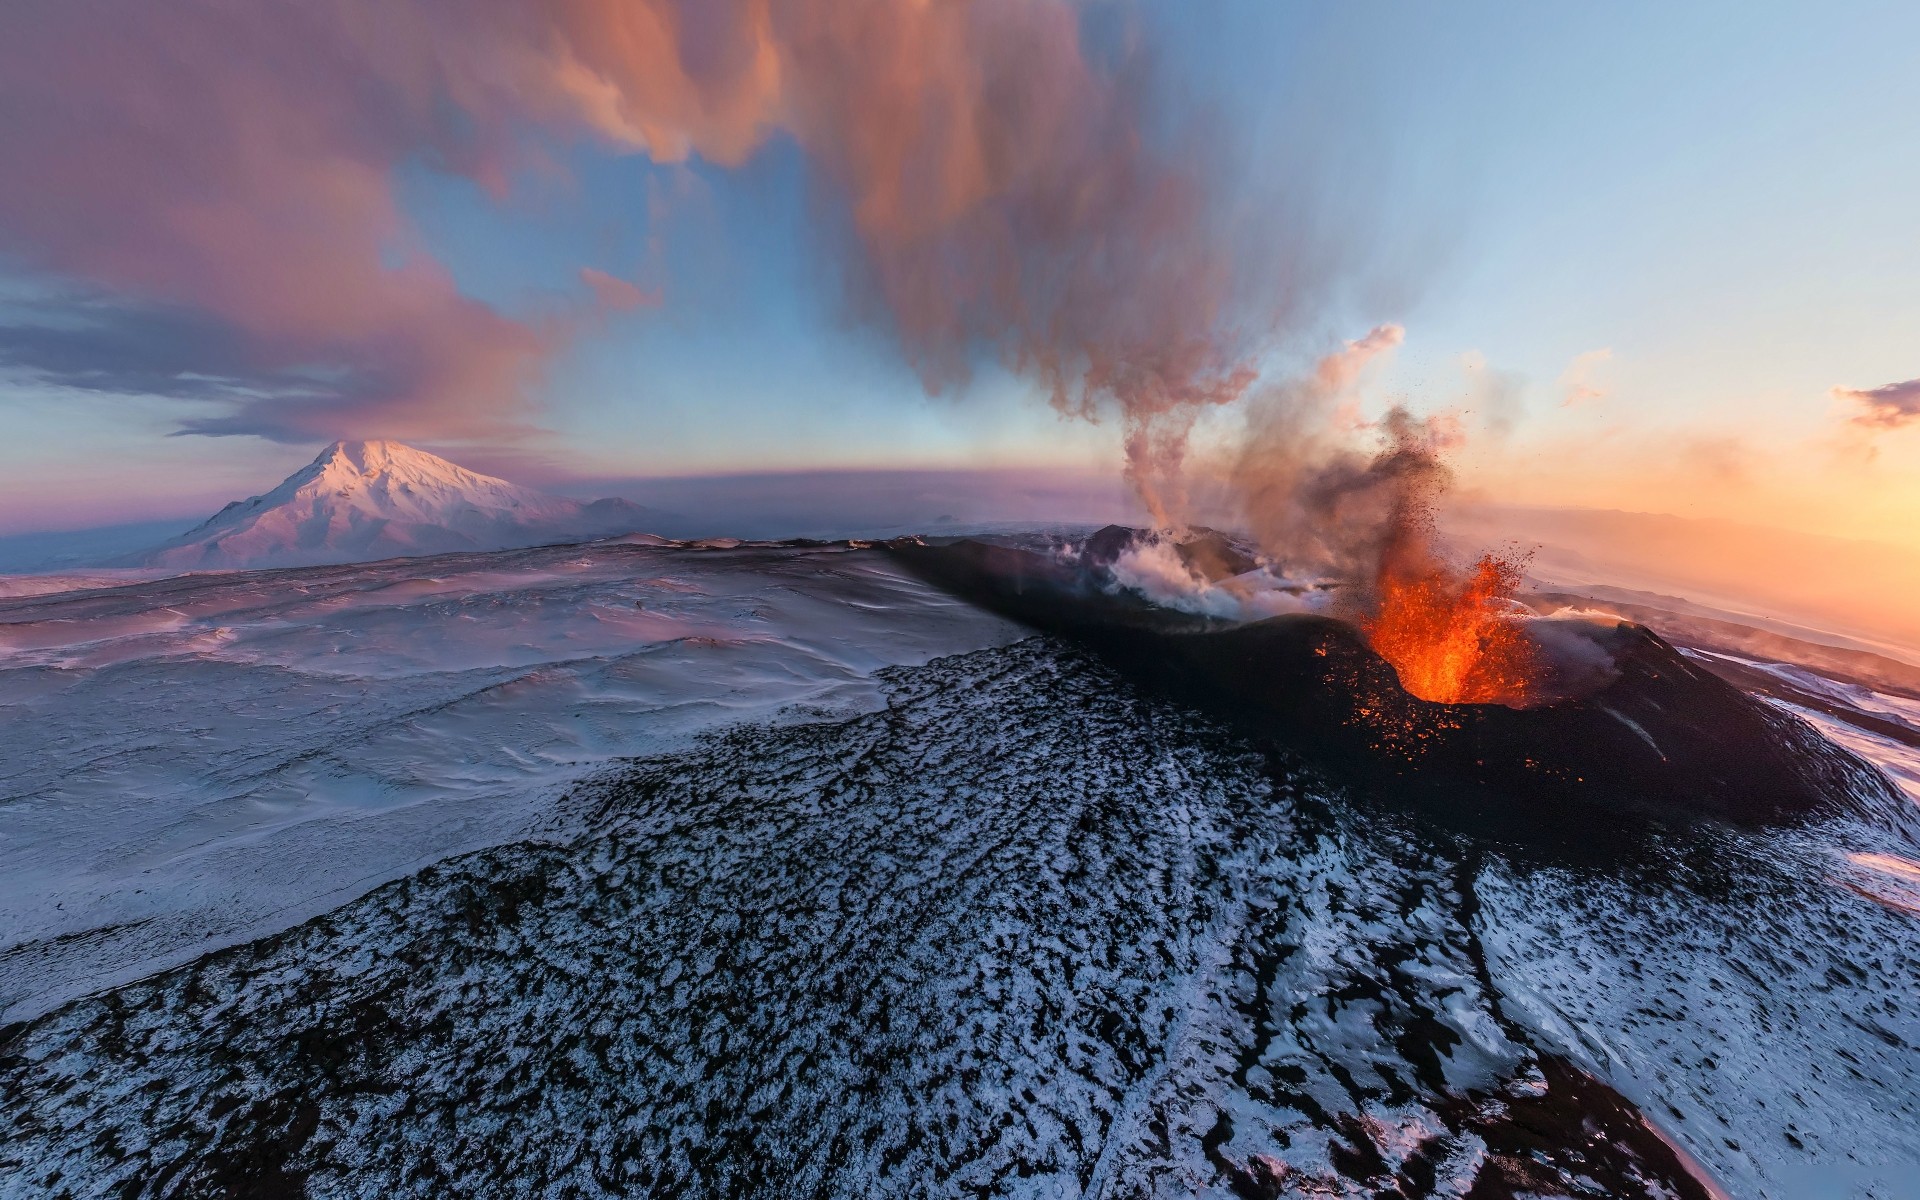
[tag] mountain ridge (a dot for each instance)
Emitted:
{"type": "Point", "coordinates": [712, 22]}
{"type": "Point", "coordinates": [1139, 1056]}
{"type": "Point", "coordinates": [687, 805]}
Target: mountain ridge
{"type": "Point", "coordinates": [364, 500]}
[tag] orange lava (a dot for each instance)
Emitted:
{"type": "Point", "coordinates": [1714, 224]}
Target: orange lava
{"type": "Point", "coordinates": [1451, 637]}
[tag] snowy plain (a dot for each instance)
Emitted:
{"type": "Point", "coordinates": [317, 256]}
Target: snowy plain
{"type": "Point", "coordinates": [201, 759]}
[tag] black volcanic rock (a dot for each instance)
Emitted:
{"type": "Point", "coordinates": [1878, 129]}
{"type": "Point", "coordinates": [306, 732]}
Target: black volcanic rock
{"type": "Point", "coordinates": [1666, 738]}
{"type": "Point", "coordinates": [1019, 923]}
{"type": "Point", "coordinates": [1108, 544]}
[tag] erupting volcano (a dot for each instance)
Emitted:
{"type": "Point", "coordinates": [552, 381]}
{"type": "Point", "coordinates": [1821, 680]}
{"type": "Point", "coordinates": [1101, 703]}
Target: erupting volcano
{"type": "Point", "coordinates": [1440, 690]}
{"type": "Point", "coordinates": [1453, 638]}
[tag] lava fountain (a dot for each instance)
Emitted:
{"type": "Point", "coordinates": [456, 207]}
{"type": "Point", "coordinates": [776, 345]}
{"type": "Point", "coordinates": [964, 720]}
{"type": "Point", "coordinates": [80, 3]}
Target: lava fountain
{"type": "Point", "coordinates": [1455, 637]}
{"type": "Point", "coordinates": [1452, 635]}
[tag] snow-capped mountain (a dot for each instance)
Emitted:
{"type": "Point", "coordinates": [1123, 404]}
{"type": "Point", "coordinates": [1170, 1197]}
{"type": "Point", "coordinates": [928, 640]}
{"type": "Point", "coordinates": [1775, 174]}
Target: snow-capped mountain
{"type": "Point", "coordinates": [361, 501]}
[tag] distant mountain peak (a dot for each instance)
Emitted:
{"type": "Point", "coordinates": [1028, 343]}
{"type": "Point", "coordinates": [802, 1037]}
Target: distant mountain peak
{"type": "Point", "coordinates": [375, 455]}
{"type": "Point", "coordinates": [363, 500]}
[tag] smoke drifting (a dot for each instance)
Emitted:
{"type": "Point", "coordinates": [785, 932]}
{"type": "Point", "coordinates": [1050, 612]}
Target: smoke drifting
{"type": "Point", "coordinates": [1007, 192]}
{"type": "Point", "coordinates": [616, 294]}
{"type": "Point", "coordinates": [1581, 378]}
{"type": "Point", "coordinates": [993, 188]}
{"type": "Point", "coordinates": [1306, 494]}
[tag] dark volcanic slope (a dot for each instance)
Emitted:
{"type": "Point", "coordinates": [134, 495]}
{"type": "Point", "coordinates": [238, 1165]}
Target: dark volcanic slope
{"type": "Point", "coordinates": [1665, 738]}
{"type": "Point", "coordinates": [1023, 933]}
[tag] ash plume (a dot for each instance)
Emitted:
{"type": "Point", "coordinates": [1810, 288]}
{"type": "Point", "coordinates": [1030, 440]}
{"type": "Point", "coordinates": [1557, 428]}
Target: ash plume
{"type": "Point", "coordinates": [1007, 191]}
{"type": "Point", "coordinates": [1375, 517]}
{"type": "Point", "coordinates": [1305, 493]}
{"type": "Point", "coordinates": [1316, 504]}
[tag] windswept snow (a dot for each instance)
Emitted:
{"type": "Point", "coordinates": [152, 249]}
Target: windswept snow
{"type": "Point", "coordinates": [196, 760]}
{"type": "Point", "coordinates": [361, 501]}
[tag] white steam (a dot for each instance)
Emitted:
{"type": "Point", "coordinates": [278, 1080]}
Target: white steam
{"type": "Point", "coordinates": [1154, 568]}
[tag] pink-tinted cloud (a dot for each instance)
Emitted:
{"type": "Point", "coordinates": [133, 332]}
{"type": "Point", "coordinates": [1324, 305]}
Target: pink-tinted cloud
{"type": "Point", "coordinates": [615, 294]}
{"type": "Point", "coordinates": [1336, 373]}
{"type": "Point", "coordinates": [236, 159]}
{"type": "Point", "coordinates": [1005, 192]}
{"type": "Point", "coordinates": [1890, 406]}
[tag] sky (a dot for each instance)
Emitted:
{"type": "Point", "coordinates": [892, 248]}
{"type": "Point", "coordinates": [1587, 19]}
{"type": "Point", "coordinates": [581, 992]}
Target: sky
{"type": "Point", "coordinates": [1658, 258]}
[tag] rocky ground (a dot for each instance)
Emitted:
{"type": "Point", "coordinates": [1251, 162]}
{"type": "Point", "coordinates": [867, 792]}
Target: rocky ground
{"type": "Point", "coordinates": [1021, 932]}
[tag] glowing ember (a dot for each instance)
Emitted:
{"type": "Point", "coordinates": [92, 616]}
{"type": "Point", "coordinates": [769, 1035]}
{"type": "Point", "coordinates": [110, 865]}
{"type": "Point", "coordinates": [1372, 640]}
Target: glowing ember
{"type": "Point", "coordinates": [1453, 638]}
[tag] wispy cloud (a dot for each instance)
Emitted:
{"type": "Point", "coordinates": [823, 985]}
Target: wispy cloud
{"type": "Point", "coordinates": [1581, 378]}
{"type": "Point", "coordinates": [615, 294]}
{"type": "Point", "coordinates": [284, 390]}
{"type": "Point", "coordinates": [1338, 372]}
{"type": "Point", "coordinates": [97, 344]}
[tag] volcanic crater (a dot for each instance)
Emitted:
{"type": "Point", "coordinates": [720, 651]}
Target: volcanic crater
{"type": "Point", "coordinates": [1653, 735]}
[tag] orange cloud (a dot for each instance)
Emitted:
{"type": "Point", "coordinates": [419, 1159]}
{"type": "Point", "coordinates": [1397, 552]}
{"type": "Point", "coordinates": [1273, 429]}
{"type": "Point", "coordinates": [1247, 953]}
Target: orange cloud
{"type": "Point", "coordinates": [1339, 371]}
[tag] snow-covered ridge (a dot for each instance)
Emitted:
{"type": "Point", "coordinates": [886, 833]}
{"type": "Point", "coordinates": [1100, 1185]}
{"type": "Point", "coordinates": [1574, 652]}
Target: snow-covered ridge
{"type": "Point", "coordinates": [367, 500]}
